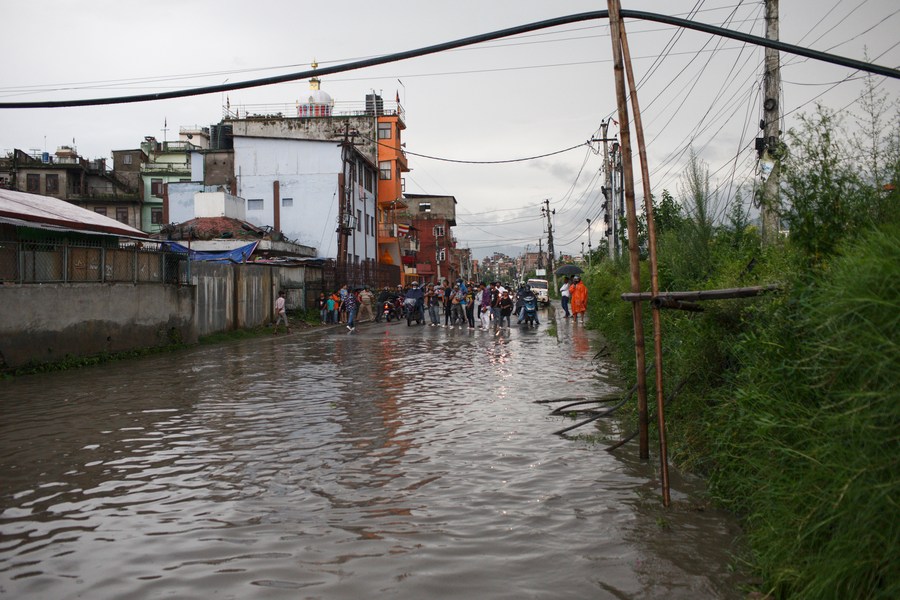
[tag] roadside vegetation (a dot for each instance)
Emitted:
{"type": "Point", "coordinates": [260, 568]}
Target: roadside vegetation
{"type": "Point", "coordinates": [791, 401]}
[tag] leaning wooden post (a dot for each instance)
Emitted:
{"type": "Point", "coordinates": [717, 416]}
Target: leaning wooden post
{"type": "Point", "coordinates": [654, 272]}
{"type": "Point", "coordinates": [631, 217]}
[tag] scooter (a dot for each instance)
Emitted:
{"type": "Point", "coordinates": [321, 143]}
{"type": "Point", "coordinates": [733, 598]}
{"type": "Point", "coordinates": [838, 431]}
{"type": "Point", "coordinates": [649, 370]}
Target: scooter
{"type": "Point", "coordinates": [387, 311]}
{"type": "Point", "coordinates": [530, 304]}
{"type": "Point", "coordinates": [415, 311]}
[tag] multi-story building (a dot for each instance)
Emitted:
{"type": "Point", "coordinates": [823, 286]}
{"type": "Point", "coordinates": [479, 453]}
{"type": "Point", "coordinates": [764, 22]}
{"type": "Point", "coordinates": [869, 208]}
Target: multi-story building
{"type": "Point", "coordinates": [433, 217]}
{"type": "Point", "coordinates": [67, 176]}
{"type": "Point", "coordinates": [167, 163]}
{"type": "Point", "coordinates": [398, 241]}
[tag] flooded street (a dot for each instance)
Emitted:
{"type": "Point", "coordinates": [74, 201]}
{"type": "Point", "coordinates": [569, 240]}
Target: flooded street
{"type": "Point", "coordinates": [395, 462]}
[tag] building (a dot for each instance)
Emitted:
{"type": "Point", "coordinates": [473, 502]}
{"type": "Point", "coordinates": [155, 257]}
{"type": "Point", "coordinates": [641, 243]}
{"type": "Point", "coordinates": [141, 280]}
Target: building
{"type": "Point", "coordinates": [313, 171]}
{"type": "Point", "coordinates": [67, 176]}
{"type": "Point", "coordinates": [433, 217]}
{"type": "Point", "coordinates": [219, 225]}
{"type": "Point", "coordinates": [398, 240]}
{"type": "Point", "coordinates": [166, 163]}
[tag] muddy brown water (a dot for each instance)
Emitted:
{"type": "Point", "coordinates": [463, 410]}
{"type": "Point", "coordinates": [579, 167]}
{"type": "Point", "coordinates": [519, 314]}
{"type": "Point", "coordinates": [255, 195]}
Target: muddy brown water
{"type": "Point", "coordinates": [395, 462]}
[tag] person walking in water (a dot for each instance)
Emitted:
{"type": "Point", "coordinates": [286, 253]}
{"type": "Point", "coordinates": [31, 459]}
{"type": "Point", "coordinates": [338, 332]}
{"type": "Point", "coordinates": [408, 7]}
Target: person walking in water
{"type": "Point", "coordinates": [350, 305]}
{"type": "Point", "coordinates": [281, 314]}
{"type": "Point", "coordinates": [366, 299]}
{"type": "Point", "coordinates": [579, 297]}
{"type": "Point", "coordinates": [564, 296]}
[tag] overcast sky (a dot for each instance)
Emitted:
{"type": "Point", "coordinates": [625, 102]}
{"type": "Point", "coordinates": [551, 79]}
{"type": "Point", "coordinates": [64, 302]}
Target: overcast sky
{"type": "Point", "coordinates": [526, 96]}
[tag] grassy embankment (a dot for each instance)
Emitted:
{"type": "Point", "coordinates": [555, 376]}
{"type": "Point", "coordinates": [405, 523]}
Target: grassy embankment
{"type": "Point", "coordinates": [791, 407]}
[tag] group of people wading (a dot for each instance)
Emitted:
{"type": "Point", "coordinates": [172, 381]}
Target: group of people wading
{"type": "Point", "coordinates": [483, 306]}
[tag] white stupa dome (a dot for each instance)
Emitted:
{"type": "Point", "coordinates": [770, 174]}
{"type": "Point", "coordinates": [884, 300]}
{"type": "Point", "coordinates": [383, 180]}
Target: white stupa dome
{"type": "Point", "coordinates": [319, 97]}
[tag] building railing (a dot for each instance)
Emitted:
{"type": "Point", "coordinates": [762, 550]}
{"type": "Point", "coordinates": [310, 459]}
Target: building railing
{"type": "Point", "coordinates": [66, 261]}
{"type": "Point", "coordinates": [339, 109]}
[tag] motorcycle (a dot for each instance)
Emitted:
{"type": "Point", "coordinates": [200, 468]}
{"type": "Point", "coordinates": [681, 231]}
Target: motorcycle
{"type": "Point", "coordinates": [530, 304]}
{"type": "Point", "coordinates": [415, 311]}
{"type": "Point", "coordinates": [387, 311]}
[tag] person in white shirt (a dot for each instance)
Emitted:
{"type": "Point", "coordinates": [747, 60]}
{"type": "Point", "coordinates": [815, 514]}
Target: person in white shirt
{"type": "Point", "coordinates": [281, 314]}
{"type": "Point", "coordinates": [564, 296]}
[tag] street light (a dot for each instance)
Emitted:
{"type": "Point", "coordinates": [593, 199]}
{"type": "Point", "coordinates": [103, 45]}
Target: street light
{"type": "Point", "coordinates": [589, 242]}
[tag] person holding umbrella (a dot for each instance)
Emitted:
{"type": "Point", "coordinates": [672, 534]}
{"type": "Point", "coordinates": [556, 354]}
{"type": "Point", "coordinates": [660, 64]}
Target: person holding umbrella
{"type": "Point", "coordinates": [564, 296]}
{"type": "Point", "coordinates": [579, 297]}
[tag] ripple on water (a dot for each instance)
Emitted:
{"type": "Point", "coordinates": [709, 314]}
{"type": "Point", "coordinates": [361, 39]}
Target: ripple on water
{"type": "Point", "coordinates": [411, 463]}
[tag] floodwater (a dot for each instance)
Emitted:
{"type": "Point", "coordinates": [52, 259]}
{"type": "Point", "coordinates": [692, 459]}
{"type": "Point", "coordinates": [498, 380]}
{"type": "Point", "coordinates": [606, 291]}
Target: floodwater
{"type": "Point", "coordinates": [394, 462]}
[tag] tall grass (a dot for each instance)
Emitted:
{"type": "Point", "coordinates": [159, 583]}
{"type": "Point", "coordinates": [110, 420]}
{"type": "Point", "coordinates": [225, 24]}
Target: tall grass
{"type": "Point", "coordinates": [791, 406]}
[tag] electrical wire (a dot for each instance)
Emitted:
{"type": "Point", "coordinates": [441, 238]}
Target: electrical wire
{"type": "Point", "coordinates": [437, 48]}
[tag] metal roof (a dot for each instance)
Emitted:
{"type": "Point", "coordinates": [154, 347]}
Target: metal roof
{"type": "Point", "coordinates": [33, 210]}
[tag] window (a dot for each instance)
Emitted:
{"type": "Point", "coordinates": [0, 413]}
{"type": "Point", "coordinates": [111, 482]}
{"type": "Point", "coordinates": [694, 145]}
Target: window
{"type": "Point", "coordinates": [384, 169]}
{"type": "Point", "coordinates": [52, 183]}
{"type": "Point", "coordinates": [254, 204]}
{"type": "Point", "coordinates": [285, 202]}
{"type": "Point", "coordinates": [440, 255]}
{"type": "Point", "coordinates": [384, 131]}
{"type": "Point", "coordinates": [122, 214]}
{"type": "Point", "coordinates": [370, 180]}
{"type": "Point", "coordinates": [438, 231]}
{"type": "Point", "coordinates": [156, 187]}
{"type": "Point", "coordinates": [372, 225]}
{"type": "Point", "coordinates": [156, 215]}
{"type": "Point", "coordinates": [33, 183]}
{"type": "Point", "coordinates": [402, 184]}
{"type": "Point", "coordinates": [100, 210]}
{"type": "Point", "coordinates": [358, 220]}
{"type": "Point", "coordinates": [126, 160]}
{"type": "Point", "coordinates": [424, 206]}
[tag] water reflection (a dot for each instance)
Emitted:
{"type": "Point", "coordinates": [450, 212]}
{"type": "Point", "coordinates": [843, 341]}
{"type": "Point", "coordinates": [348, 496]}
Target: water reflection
{"type": "Point", "coordinates": [409, 462]}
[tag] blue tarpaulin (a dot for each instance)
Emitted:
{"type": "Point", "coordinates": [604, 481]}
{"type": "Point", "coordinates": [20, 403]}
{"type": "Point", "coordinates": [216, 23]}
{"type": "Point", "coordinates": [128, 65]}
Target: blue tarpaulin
{"type": "Point", "coordinates": [238, 255]}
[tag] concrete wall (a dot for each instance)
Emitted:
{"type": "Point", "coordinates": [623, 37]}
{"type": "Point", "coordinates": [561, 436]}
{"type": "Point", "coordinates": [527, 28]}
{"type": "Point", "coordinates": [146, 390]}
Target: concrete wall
{"type": "Point", "coordinates": [50, 322]}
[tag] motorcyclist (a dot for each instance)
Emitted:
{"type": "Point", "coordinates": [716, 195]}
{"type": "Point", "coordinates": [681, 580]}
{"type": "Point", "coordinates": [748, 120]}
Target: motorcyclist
{"type": "Point", "coordinates": [416, 294]}
{"type": "Point", "coordinates": [524, 292]}
{"type": "Point", "coordinates": [386, 295]}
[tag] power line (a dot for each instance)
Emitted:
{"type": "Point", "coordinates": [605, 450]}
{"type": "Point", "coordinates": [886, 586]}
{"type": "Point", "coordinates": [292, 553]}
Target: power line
{"type": "Point", "coordinates": [437, 48]}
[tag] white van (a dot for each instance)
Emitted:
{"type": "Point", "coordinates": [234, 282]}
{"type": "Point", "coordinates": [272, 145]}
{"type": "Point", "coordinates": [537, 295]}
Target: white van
{"type": "Point", "coordinates": [541, 290]}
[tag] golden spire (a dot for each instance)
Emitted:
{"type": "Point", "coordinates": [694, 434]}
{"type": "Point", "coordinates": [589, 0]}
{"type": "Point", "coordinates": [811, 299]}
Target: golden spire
{"type": "Point", "coordinates": [314, 81]}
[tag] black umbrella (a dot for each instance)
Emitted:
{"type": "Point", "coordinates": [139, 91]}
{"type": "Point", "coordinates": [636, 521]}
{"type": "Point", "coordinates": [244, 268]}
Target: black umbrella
{"type": "Point", "coordinates": [569, 270]}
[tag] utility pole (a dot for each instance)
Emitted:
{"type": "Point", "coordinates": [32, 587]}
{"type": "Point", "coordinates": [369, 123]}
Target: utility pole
{"type": "Point", "coordinates": [770, 155]}
{"type": "Point", "coordinates": [540, 254]}
{"type": "Point", "coordinates": [609, 199]}
{"type": "Point", "coordinates": [550, 256]}
{"type": "Point", "coordinates": [345, 191]}
{"type": "Point", "coordinates": [589, 242]}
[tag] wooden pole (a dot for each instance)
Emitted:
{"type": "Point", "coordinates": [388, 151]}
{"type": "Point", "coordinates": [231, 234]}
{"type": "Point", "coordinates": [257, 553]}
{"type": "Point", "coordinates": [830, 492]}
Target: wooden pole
{"type": "Point", "coordinates": [631, 219]}
{"type": "Point", "coordinates": [725, 294]}
{"type": "Point", "coordinates": [654, 272]}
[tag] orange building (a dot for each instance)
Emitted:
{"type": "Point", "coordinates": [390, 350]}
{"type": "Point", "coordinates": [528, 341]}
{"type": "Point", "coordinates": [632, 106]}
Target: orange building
{"type": "Point", "coordinates": [398, 242]}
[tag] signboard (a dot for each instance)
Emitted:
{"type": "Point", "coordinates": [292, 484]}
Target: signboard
{"type": "Point", "coordinates": [540, 272]}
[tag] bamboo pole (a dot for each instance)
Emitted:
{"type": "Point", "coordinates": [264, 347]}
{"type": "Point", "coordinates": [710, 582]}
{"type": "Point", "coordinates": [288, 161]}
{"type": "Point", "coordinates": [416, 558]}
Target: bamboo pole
{"type": "Point", "coordinates": [654, 272]}
{"type": "Point", "coordinates": [724, 294]}
{"type": "Point", "coordinates": [631, 218]}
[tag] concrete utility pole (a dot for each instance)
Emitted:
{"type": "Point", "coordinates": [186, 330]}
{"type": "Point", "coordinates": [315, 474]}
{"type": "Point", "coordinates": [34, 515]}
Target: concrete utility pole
{"type": "Point", "coordinates": [540, 254]}
{"type": "Point", "coordinates": [609, 199]}
{"type": "Point", "coordinates": [550, 255]}
{"type": "Point", "coordinates": [589, 243]}
{"type": "Point", "coordinates": [345, 191]}
{"type": "Point", "coordinates": [770, 155]}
